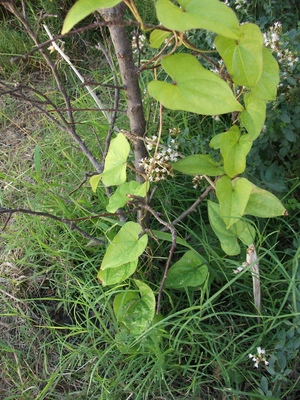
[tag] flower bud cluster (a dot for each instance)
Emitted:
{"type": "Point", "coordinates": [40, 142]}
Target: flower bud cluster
{"type": "Point", "coordinates": [158, 167]}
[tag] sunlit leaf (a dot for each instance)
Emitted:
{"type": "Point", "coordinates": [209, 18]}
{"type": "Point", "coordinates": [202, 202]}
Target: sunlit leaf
{"type": "Point", "coordinates": [234, 149]}
{"type": "Point", "coordinates": [228, 238]}
{"type": "Point", "coordinates": [83, 8]}
{"type": "Point", "coordinates": [266, 88]}
{"type": "Point", "coordinates": [264, 204]}
{"type": "Point", "coordinates": [254, 115]}
{"type": "Point", "coordinates": [125, 247]}
{"type": "Point", "coordinates": [215, 142]}
{"type": "Point", "coordinates": [194, 88]}
{"type": "Point", "coordinates": [233, 197]}
{"type": "Point", "coordinates": [114, 172]}
{"type": "Point", "coordinates": [112, 276]}
{"type": "Point", "coordinates": [157, 38]}
{"type": "Point", "coordinates": [244, 57]}
{"type": "Point", "coordinates": [119, 198]}
{"type": "Point", "coordinates": [211, 15]}
{"type": "Point", "coordinates": [198, 164]}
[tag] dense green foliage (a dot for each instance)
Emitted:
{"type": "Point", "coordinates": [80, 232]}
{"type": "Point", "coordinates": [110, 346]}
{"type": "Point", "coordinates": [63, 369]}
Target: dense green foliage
{"type": "Point", "coordinates": [67, 336]}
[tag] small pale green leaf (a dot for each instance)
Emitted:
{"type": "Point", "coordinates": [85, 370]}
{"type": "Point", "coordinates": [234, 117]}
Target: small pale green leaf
{"type": "Point", "coordinates": [233, 197]}
{"type": "Point", "coordinates": [253, 117]}
{"type": "Point", "coordinates": [194, 89]}
{"type": "Point", "coordinates": [83, 8]}
{"type": "Point", "coordinates": [215, 142]}
{"type": "Point", "coordinates": [112, 276]}
{"type": "Point", "coordinates": [227, 238]}
{"type": "Point", "coordinates": [264, 204]}
{"type": "Point", "coordinates": [244, 231]}
{"type": "Point", "coordinates": [125, 247]}
{"type": "Point", "coordinates": [198, 164]}
{"type": "Point", "coordinates": [234, 149]}
{"type": "Point", "coordinates": [135, 310]}
{"type": "Point", "coordinates": [116, 161]}
{"type": "Point", "coordinates": [244, 57]}
{"type": "Point", "coordinates": [94, 181]}
{"type": "Point", "coordinates": [119, 198]}
{"type": "Point", "coordinates": [189, 271]}
{"type": "Point", "coordinates": [266, 88]}
{"type": "Point", "coordinates": [157, 38]}
{"type": "Point", "coordinates": [210, 15]}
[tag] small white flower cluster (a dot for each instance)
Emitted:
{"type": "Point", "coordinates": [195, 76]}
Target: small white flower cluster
{"type": "Point", "coordinates": [273, 39]}
{"type": "Point", "coordinates": [138, 42]}
{"type": "Point", "coordinates": [174, 131]}
{"type": "Point", "coordinates": [237, 4]}
{"type": "Point", "coordinates": [158, 167]}
{"type": "Point", "coordinates": [259, 357]}
{"type": "Point", "coordinates": [196, 181]}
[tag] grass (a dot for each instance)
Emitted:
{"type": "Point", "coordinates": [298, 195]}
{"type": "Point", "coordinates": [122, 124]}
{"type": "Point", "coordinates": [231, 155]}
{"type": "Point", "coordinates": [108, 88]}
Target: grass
{"type": "Point", "coordinates": [59, 334]}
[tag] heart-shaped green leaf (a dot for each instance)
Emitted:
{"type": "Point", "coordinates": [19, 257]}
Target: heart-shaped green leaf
{"type": "Point", "coordinates": [114, 172]}
{"type": "Point", "coordinates": [266, 88]}
{"type": "Point", "coordinates": [83, 8]}
{"type": "Point", "coordinates": [194, 89]}
{"type": "Point", "coordinates": [234, 149]}
{"type": "Point", "coordinates": [189, 271]}
{"type": "Point", "coordinates": [210, 15]}
{"type": "Point", "coordinates": [112, 276]}
{"type": "Point", "coordinates": [119, 198]}
{"type": "Point", "coordinates": [135, 310]}
{"type": "Point", "coordinates": [125, 247]}
{"type": "Point", "coordinates": [244, 57]}
{"type": "Point", "coordinates": [198, 164]}
{"type": "Point", "coordinates": [253, 117]}
{"type": "Point", "coordinates": [233, 197]}
{"type": "Point", "coordinates": [264, 204]}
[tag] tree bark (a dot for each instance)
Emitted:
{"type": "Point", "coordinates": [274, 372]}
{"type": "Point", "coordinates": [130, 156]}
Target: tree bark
{"type": "Point", "coordinates": [129, 76]}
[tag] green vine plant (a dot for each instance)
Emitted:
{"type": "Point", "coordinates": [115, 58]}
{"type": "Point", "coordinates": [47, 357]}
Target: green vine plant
{"type": "Point", "coordinates": [246, 80]}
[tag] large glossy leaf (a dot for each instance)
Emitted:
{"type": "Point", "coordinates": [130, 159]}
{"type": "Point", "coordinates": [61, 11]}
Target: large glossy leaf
{"type": "Point", "coordinates": [266, 88]}
{"type": "Point", "coordinates": [198, 164]}
{"type": "Point", "coordinates": [264, 204]}
{"type": "Point", "coordinates": [233, 197]}
{"type": "Point", "coordinates": [234, 149]}
{"type": "Point", "coordinates": [244, 57]}
{"type": "Point", "coordinates": [135, 310]}
{"type": "Point", "coordinates": [210, 15]}
{"type": "Point", "coordinates": [112, 276]}
{"type": "Point", "coordinates": [83, 8]}
{"type": "Point", "coordinates": [253, 117]}
{"type": "Point", "coordinates": [189, 271]}
{"type": "Point", "coordinates": [194, 88]}
{"type": "Point", "coordinates": [125, 247]}
{"type": "Point", "coordinates": [229, 237]}
{"type": "Point", "coordinates": [119, 198]}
